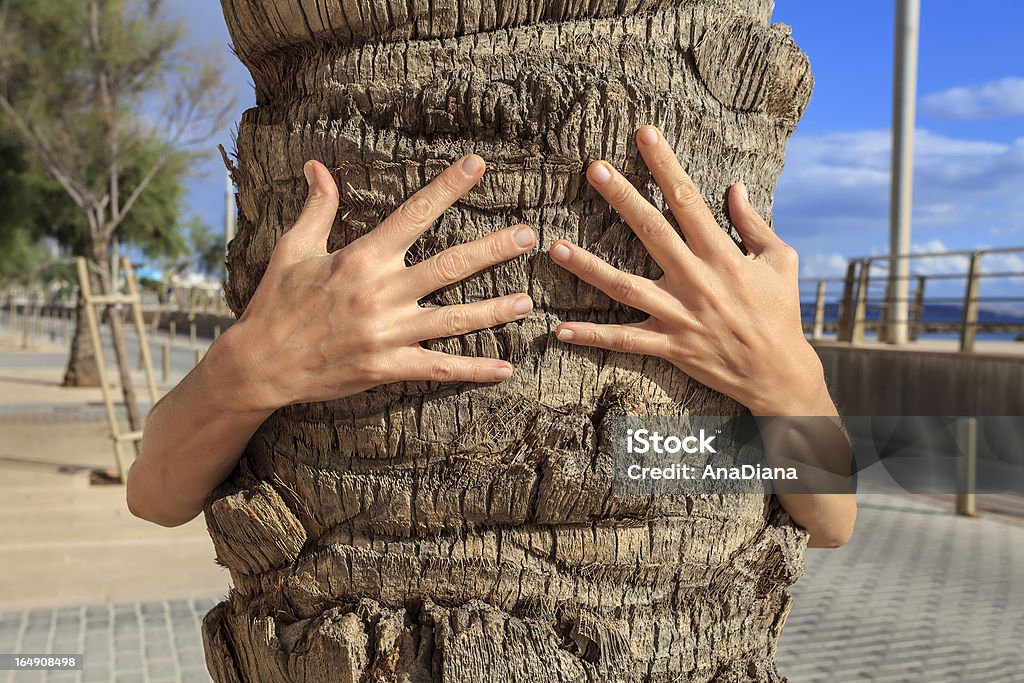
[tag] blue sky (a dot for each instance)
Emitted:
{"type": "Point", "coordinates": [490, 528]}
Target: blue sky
{"type": "Point", "coordinates": [832, 199]}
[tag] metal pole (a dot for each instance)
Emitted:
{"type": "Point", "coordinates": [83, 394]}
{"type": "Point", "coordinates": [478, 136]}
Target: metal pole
{"type": "Point", "coordinates": [967, 436]}
{"type": "Point", "coordinates": [908, 14]}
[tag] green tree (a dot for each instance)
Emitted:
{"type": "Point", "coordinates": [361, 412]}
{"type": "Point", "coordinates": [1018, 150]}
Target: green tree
{"type": "Point", "coordinates": [108, 98]}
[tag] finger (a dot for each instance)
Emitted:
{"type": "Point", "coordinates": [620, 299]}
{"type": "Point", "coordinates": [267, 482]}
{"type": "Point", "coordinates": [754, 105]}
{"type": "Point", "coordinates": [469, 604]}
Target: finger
{"type": "Point", "coordinates": [756, 234]}
{"type": "Point", "coordinates": [419, 364]}
{"type": "Point", "coordinates": [625, 288]}
{"type": "Point", "coordinates": [661, 239]}
{"type": "Point", "coordinates": [622, 338]}
{"type": "Point", "coordinates": [703, 234]}
{"type": "Point", "coordinates": [451, 321]}
{"type": "Point", "coordinates": [459, 262]}
{"type": "Point", "coordinates": [308, 235]}
{"type": "Point", "coordinates": [401, 229]}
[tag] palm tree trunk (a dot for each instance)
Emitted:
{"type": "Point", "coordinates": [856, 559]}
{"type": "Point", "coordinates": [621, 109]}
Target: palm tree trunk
{"type": "Point", "coordinates": [422, 532]}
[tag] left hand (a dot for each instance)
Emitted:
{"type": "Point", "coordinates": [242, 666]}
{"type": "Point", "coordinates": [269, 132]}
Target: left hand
{"type": "Point", "coordinates": [730, 321]}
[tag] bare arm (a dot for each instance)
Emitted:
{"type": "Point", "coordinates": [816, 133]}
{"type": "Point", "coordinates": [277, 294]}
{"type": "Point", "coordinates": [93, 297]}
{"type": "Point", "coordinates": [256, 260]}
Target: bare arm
{"type": "Point", "coordinates": [322, 326]}
{"type": "Point", "coordinates": [729, 320]}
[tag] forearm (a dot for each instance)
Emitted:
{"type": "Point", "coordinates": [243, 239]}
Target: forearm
{"type": "Point", "coordinates": [804, 430]}
{"type": "Point", "coordinates": [192, 440]}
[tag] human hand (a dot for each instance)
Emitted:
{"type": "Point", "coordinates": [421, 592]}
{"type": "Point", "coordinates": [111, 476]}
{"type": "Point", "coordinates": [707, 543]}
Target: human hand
{"type": "Point", "coordinates": [323, 326]}
{"type": "Point", "coordinates": [730, 321]}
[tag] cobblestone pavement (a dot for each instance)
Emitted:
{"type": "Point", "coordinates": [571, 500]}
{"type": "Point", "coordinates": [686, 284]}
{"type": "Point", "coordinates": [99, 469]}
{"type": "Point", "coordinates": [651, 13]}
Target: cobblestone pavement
{"type": "Point", "coordinates": [128, 643]}
{"type": "Point", "coordinates": [918, 595]}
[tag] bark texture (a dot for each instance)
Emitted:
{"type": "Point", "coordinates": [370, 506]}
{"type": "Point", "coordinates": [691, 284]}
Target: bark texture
{"type": "Point", "coordinates": [424, 532]}
{"type": "Point", "coordinates": [81, 370]}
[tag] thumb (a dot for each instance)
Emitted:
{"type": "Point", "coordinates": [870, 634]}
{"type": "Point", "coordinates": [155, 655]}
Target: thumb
{"type": "Point", "coordinates": [311, 228]}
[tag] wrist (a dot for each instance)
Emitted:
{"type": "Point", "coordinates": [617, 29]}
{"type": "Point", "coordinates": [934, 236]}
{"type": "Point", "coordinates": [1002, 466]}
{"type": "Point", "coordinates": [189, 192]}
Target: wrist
{"type": "Point", "coordinates": [800, 392]}
{"type": "Point", "coordinates": [235, 366]}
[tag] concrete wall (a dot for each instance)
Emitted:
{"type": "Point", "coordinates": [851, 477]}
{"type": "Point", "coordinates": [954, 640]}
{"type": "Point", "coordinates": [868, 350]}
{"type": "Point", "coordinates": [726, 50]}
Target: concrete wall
{"type": "Point", "coordinates": [888, 381]}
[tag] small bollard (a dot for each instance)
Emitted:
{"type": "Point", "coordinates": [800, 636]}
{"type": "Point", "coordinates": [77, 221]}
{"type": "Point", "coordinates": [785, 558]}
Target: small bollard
{"type": "Point", "coordinates": [165, 361]}
{"type": "Point", "coordinates": [967, 466]}
{"type": "Point", "coordinates": [199, 355]}
{"type": "Point", "coordinates": [172, 328]}
{"type": "Point", "coordinates": [216, 332]}
{"type": "Point", "coordinates": [192, 333]}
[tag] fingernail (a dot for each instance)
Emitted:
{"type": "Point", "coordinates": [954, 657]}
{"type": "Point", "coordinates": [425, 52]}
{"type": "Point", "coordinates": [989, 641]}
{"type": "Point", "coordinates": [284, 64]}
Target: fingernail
{"type": "Point", "coordinates": [523, 238]}
{"type": "Point", "coordinates": [307, 170]}
{"type": "Point", "coordinates": [566, 335]}
{"type": "Point", "coordinates": [502, 374]}
{"type": "Point", "coordinates": [472, 164]}
{"type": "Point", "coordinates": [560, 252]}
{"type": "Point", "coordinates": [601, 173]}
{"type": "Point", "coordinates": [742, 189]}
{"type": "Point", "coordinates": [522, 305]}
{"type": "Point", "coordinates": [649, 135]}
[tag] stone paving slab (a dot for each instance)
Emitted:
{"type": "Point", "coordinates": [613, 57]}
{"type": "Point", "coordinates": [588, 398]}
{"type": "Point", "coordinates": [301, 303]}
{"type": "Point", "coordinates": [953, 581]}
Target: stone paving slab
{"type": "Point", "coordinates": [155, 641]}
{"type": "Point", "coordinates": [917, 596]}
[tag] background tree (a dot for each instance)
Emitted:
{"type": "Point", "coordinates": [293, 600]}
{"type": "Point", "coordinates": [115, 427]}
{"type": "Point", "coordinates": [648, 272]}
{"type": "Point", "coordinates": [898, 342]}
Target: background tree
{"type": "Point", "coordinates": [466, 533]}
{"type": "Point", "coordinates": [107, 97]}
{"type": "Point", "coordinates": [35, 211]}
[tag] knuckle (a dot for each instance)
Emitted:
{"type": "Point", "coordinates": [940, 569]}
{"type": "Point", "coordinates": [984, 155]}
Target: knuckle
{"type": "Point", "coordinates": [496, 251]}
{"type": "Point", "coordinates": [442, 371]}
{"type": "Point", "coordinates": [683, 193]}
{"type": "Point", "coordinates": [651, 224]}
{"type": "Point", "coordinates": [416, 210]}
{"type": "Point", "coordinates": [455, 321]}
{"type": "Point", "coordinates": [375, 369]}
{"type": "Point", "coordinates": [788, 256]}
{"type": "Point", "coordinates": [449, 183]}
{"type": "Point", "coordinates": [624, 289]}
{"type": "Point", "coordinates": [628, 342]}
{"type": "Point", "coordinates": [449, 266]}
{"type": "Point", "coordinates": [620, 192]}
{"type": "Point", "coordinates": [587, 266]}
{"type": "Point", "coordinates": [347, 261]}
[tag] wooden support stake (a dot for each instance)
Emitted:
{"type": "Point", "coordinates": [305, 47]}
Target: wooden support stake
{"type": "Point", "coordinates": [969, 325]}
{"type": "Point", "coordinates": [165, 361]}
{"type": "Point", "coordinates": [101, 364]}
{"type": "Point", "coordinates": [844, 333]}
{"type": "Point", "coordinates": [819, 312]}
{"type": "Point", "coordinates": [860, 305]}
{"type": "Point", "coordinates": [918, 309]}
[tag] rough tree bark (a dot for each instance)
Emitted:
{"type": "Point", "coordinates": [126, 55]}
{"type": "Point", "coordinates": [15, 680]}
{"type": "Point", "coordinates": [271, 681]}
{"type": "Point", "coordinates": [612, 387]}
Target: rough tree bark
{"type": "Point", "coordinates": [81, 370]}
{"type": "Point", "coordinates": [423, 532]}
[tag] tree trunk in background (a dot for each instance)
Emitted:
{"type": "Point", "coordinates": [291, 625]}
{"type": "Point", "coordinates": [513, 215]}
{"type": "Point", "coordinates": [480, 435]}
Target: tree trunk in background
{"type": "Point", "coordinates": [81, 370]}
{"type": "Point", "coordinates": [423, 532]}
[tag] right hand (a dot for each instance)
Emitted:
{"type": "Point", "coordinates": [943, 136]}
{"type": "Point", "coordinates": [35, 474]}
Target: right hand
{"type": "Point", "coordinates": [323, 326]}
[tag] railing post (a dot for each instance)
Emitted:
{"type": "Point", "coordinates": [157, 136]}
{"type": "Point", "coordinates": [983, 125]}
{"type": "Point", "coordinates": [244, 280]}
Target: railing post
{"type": "Point", "coordinates": [883, 314]}
{"type": "Point", "coordinates": [819, 312]}
{"type": "Point", "coordinates": [969, 326]}
{"type": "Point", "coordinates": [918, 310]}
{"type": "Point", "coordinates": [967, 466]}
{"type": "Point", "coordinates": [861, 306]}
{"type": "Point", "coordinates": [844, 326]}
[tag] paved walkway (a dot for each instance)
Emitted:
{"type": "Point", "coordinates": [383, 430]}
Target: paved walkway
{"type": "Point", "coordinates": [918, 595]}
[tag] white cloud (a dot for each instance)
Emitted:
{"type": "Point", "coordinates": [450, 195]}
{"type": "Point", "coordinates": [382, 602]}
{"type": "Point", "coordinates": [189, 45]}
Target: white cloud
{"type": "Point", "coordinates": [838, 183]}
{"type": "Point", "coordinates": [819, 265]}
{"type": "Point", "coordinates": [832, 201]}
{"type": "Point", "coordinates": [995, 99]}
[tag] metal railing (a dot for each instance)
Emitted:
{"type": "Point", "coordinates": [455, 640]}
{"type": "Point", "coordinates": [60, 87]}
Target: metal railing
{"type": "Point", "coordinates": [937, 303]}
